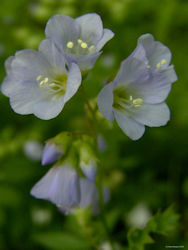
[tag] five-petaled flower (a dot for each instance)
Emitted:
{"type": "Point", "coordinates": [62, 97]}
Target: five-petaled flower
{"type": "Point", "coordinates": [136, 96]}
{"type": "Point", "coordinates": [38, 82]}
{"type": "Point", "coordinates": [80, 39]}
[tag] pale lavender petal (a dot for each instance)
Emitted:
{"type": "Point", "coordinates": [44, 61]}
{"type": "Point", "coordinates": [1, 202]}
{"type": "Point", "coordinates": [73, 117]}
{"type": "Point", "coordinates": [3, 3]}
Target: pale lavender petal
{"type": "Point", "coordinates": [153, 115]}
{"type": "Point", "coordinates": [157, 87]}
{"type": "Point", "coordinates": [75, 189]}
{"type": "Point", "coordinates": [73, 81]}
{"type": "Point", "coordinates": [48, 108]}
{"type": "Point", "coordinates": [107, 35]}
{"type": "Point", "coordinates": [50, 154]}
{"type": "Point", "coordinates": [91, 28]}
{"type": "Point", "coordinates": [89, 170]}
{"type": "Point", "coordinates": [155, 51]}
{"type": "Point", "coordinates": [55, 186]}
{"type": "Point", "coordinates": [62, 26]}
{"type": "Point", "coordinates": [89, 193]}
{"type": "Point", "coordinates": [24, 97]}
{"type": "Point", "coordinates": [53, 55]}
{"type": "Point", "coordinates": [130, 127]}
{"type": "Point", "coordinates": [105, 101]}
{"type": "Point", "coordinates": [131, 70]}
{"type": "Point", "coordinates": [85, 62]}
{"type": "Point", "coordinates": [8, 63]}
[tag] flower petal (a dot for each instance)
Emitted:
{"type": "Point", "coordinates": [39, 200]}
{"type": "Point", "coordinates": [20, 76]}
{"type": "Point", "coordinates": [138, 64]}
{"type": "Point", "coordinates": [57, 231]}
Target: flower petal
{"type": "Point", "coordinates": [48, 108]}
{"type": "Point", "coordinates": [157, 87]}
{"type": "Point", "coordinates": [129, 126]}
{"type": "Point", "coordinates": [73, 81]}
{"type": "Point", "coordinates": [107, 35]}
{"type": "Point", "coordinates": [132, 70]}
{"type": "Point", "coordinates": [53, 55]}
{"type": "Point", "coordinates": [55, 186]}
{"type": "Point", "coordinates": [75, 189]}
{"type": "Point", "coordinates": [50, 154]}
{"type": "Point", "coordinates": [153, 115]}
{"type": "Point", "coordinates": [8, 63]}
{"type": "Point", "coordinates": [23, 96]}
{"type": "Point", "coordinates": [85, 62]}
{"type": "Point", "coordinates": [89, 193]}
{"type": "Point", "coordinates": [28, 64]}
{"type": "Point", "coordinates": [155, 51]}
{"type": "Point", "coordinates": [89, 170]}
{"type": "Point", "coordinates": [105, 101]}
{"type": "Point", "coordinates": [91, 28]}
{"type": "Point", "coordinates": [62, 26]}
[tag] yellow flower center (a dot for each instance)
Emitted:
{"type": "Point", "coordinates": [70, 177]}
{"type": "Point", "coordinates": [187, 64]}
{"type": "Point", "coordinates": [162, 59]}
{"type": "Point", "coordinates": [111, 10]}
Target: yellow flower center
{"type": "Point", "coordinates": [57, 85]}
{"type": "Point", "coordinates": [124, 101]}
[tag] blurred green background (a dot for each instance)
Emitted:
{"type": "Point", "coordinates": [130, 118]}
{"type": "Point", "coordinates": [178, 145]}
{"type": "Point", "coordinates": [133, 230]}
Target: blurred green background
{"type": "Point", "coordinates": [145, 176]}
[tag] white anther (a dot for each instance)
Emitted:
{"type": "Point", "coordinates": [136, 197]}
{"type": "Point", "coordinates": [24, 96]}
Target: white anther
{"type": "Point", "coordinates": [70, 45]}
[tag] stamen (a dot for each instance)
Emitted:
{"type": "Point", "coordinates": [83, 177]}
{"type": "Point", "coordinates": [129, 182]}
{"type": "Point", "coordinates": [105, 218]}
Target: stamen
{"type": "Point", "coordinates": [83, 45]}
{"type": "Point", "coordinates": [148, 66]}
{"type": "Point", "coordinates": [70, 45]}
{"type": "Point", "coordinates": [53, 84]}
{"type": "Point", "coordinates": [130, 98]}
{"type": "Point", "coordinates": [45, 80]}
{"type": "Point", "coordinates": [39, 78]}
{"type": "Point", "coordinates": [137, 101]}
{"type": "Point", "coordinates": [79, 41]}
{"type": "Point", "coordinates": [137, 106]}
{"type": "Point", "coordinates": [164, 61]}
{"type": "Point", "coordinates": [158, 65]}
{"type": "Point", "coordinates": [92, 47]}
{"type": "Point", "coordinates": [41, 83]}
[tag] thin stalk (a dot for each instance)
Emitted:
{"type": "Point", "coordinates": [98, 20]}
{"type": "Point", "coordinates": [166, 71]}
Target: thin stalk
{"type": "Point", "coordinates": [100, 175]}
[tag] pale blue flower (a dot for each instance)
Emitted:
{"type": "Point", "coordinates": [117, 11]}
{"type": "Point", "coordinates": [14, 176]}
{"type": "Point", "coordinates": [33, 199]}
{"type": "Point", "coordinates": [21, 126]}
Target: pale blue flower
{"type": "Point", "coordinates": [38, 82]}
{"type": "Point", "coordinates": [81, 39]}
{"type": "Point", "coordinates": [61, 186]}
{"type": "Point", "coordinates": [51, 153]}
{"type": "Point", "coordinates": [136, 96]}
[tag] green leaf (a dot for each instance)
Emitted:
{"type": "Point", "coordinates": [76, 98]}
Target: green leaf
{"type": "Point", "coordinates": [163, 223]}
{"type": "Point", "coordinates": [137, 238]}
{"type": "Point", "coordinates": [60, 240]}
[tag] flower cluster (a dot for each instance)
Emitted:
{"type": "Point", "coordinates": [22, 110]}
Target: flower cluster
{"type": "Point", "coordinates": [41, 82]}
{"type": "Point", "coordinates": [70, 183]}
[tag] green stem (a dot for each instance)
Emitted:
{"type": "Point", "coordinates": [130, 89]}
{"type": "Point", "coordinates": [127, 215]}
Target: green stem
{"type": "Point", "coordinates": [100, 175]}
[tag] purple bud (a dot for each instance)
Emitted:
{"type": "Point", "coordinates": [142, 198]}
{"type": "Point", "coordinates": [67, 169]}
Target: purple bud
{"type": "Point", "coordinates": [51, 154]}
{"type": "Point", "coordinates": [89, 170]}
